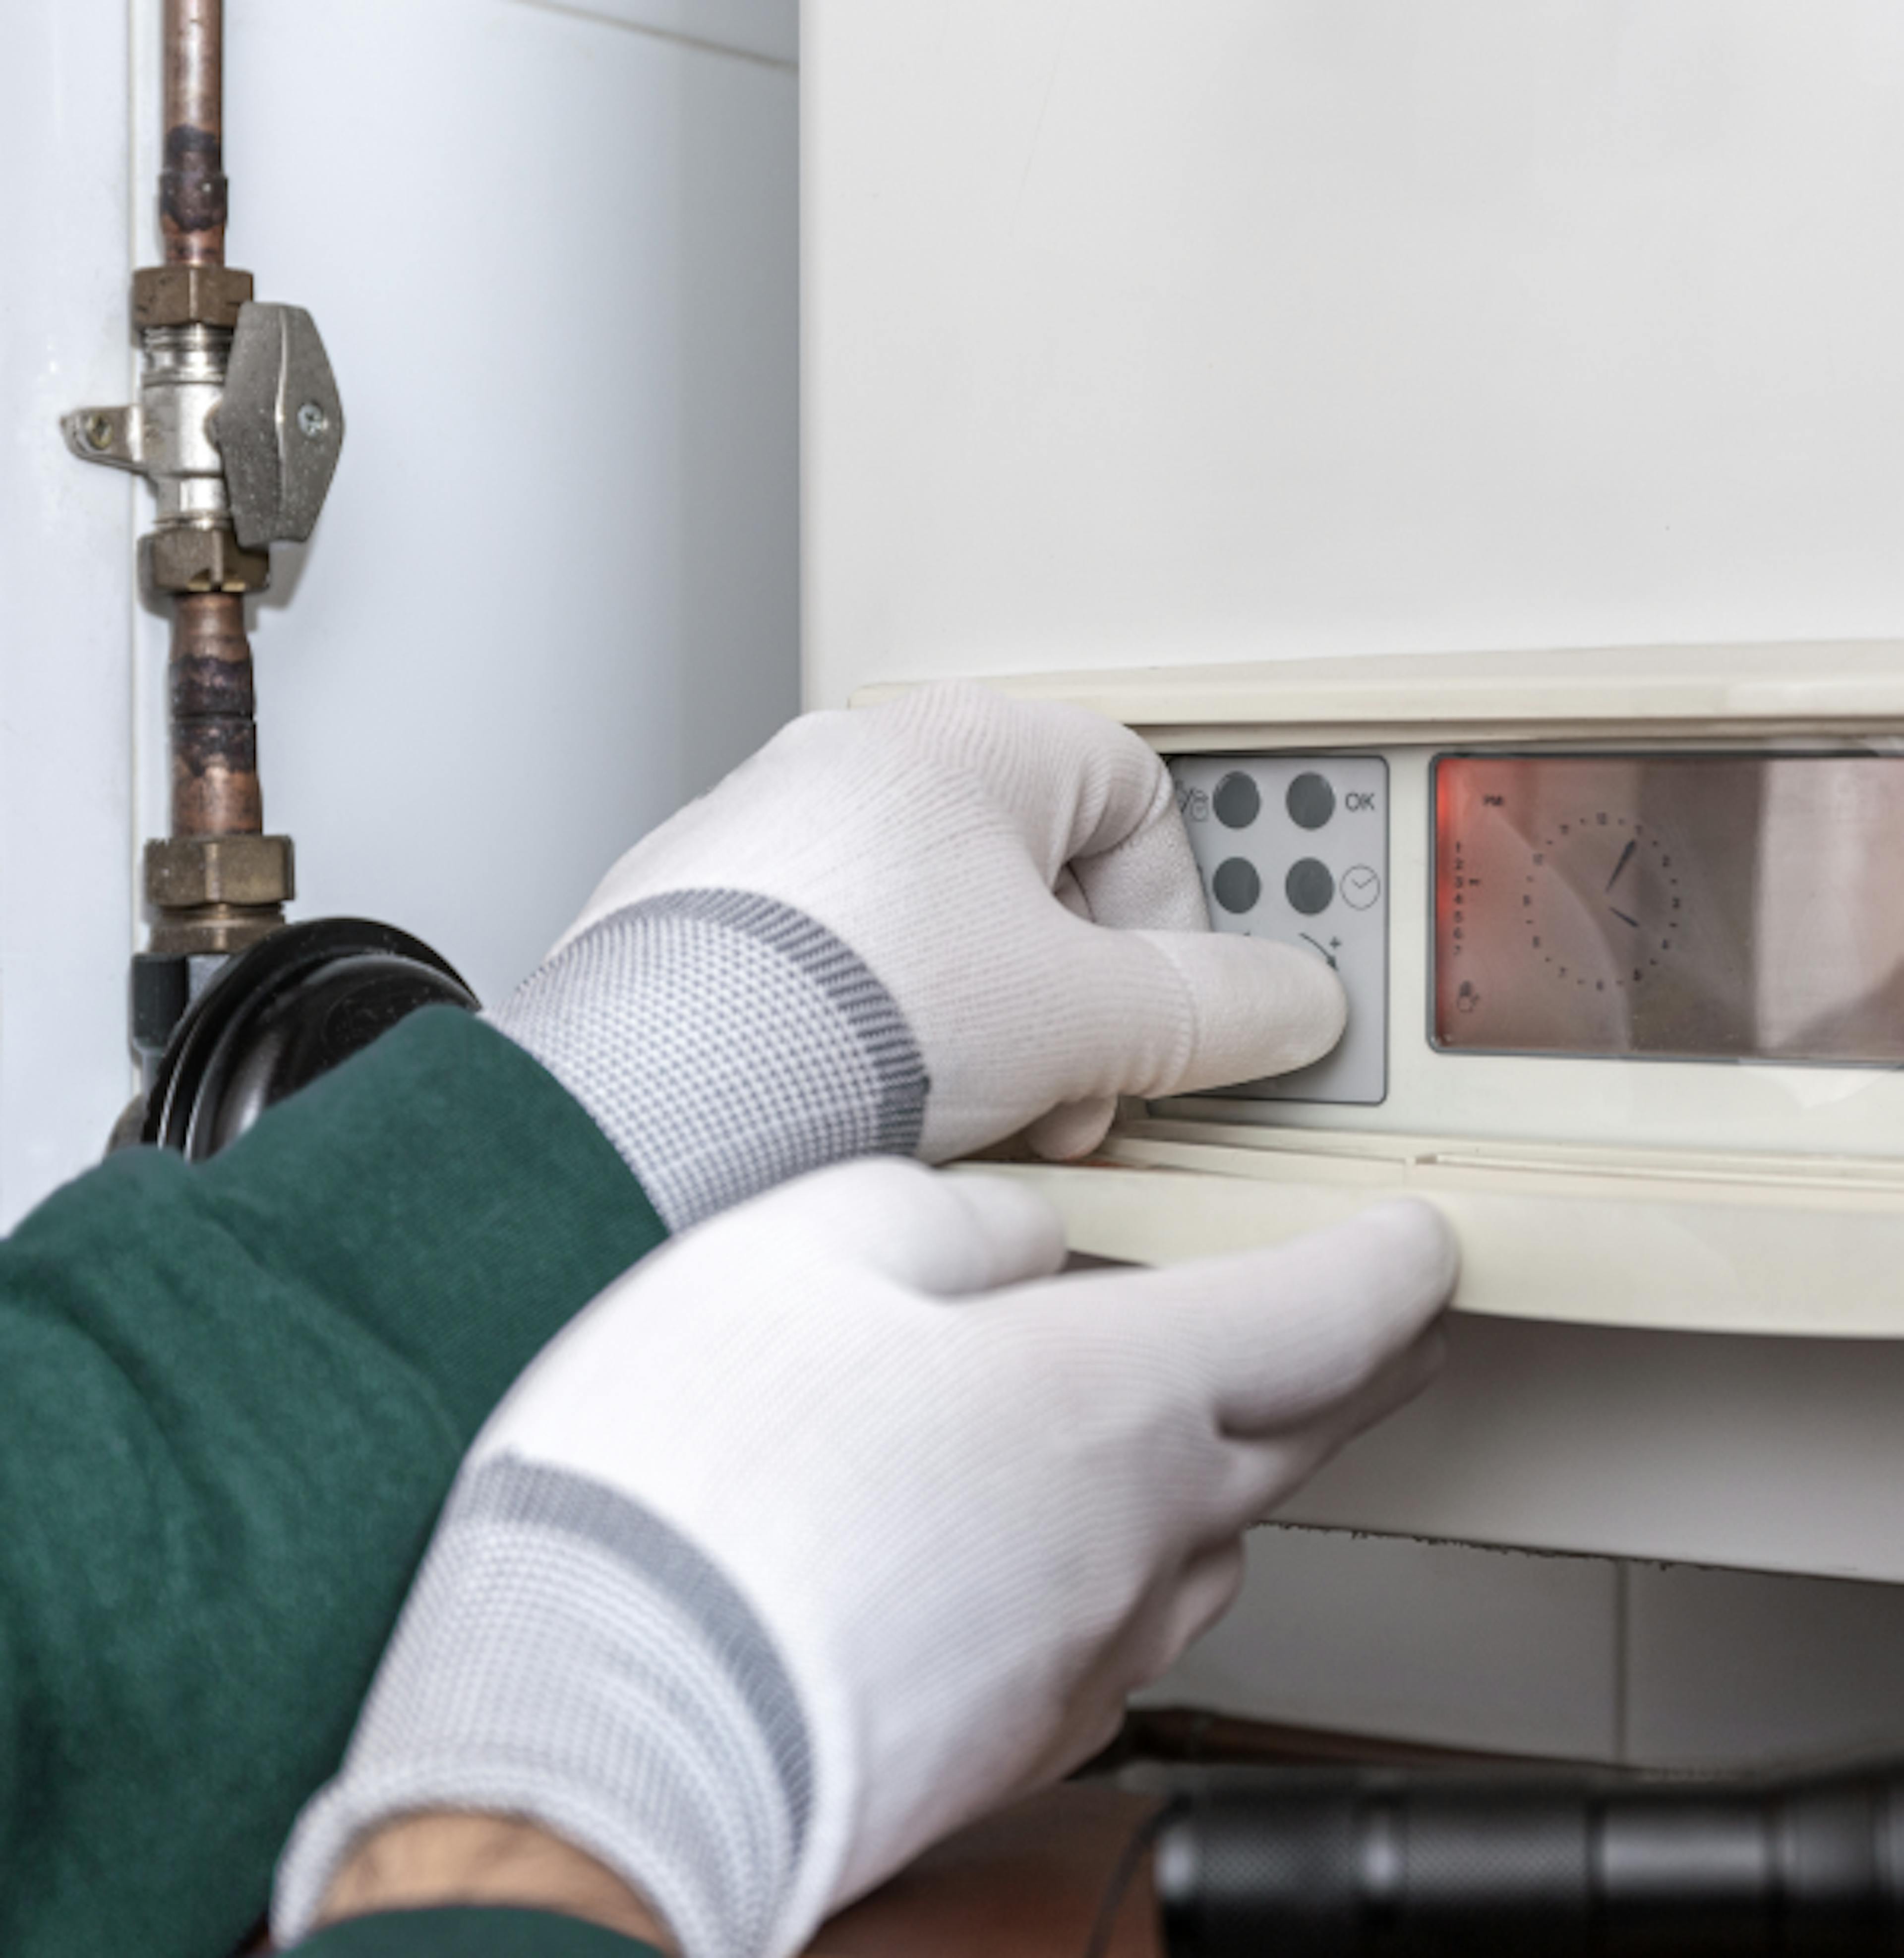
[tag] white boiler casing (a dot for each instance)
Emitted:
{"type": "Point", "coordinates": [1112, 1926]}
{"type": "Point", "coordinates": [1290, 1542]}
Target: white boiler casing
{"type": "Point", "coordinates": [1288, 381]}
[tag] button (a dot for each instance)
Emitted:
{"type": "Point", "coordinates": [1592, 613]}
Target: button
{"type": "Point", "coordinates": [1238, 801]}
{"type": "Point", "coordinates": [1311, 801]}
{"type": "Point", "coordinates": [1236, 886]}
{"type": "Point", "coordinates": [1308, 887]}
{"type": "Point", "coordinates": [1361, 887]}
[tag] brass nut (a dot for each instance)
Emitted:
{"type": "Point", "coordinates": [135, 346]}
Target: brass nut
{"type": "Point", "coordinates": [183, 873]}
{"type": "Point", "coordinates": [189, 296]}
{"type": "Point", "coordinates": [192, 558]}
{"type": "Point", "coordinates": [213, 931]}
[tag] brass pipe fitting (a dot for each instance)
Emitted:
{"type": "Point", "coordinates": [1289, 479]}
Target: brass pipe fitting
{"type": "Point", "coordinates": [189, 296]}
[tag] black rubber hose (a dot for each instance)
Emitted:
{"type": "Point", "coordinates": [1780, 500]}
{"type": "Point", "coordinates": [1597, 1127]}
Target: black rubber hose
{"type": "Point", "coordinates": [1307, 1864]}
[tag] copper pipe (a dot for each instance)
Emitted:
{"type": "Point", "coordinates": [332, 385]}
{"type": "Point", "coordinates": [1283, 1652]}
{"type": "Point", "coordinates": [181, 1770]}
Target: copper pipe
{"type": "Point", "coordinates": [191, 187]}
{"type": "Point", "coordinates": [217, 885]}
{"type": "Point", "coordinates": [214, 736]}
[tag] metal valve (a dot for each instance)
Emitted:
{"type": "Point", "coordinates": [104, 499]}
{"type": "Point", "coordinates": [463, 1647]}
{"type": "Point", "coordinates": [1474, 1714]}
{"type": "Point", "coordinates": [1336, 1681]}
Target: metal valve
{"type": "Point", "coordinates": [279, 426]}
{"type": "Point", "coordinates": [238, 427]}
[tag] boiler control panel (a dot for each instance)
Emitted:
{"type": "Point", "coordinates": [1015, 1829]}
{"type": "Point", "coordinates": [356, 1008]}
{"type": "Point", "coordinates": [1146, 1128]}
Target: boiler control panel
{"type": "Point", "coordinates": [1295, 848]}
{"type": "Point", "coordinates": [1624, 951]}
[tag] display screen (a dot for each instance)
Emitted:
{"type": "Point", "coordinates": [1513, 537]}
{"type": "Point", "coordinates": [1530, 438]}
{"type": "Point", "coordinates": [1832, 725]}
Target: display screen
{"type": "Point", "coordinates": [1701, 906]}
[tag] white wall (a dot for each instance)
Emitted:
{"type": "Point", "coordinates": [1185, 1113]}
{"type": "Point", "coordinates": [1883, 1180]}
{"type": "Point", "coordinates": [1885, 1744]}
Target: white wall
{"type": "Point", "coordinates": [555, 593]}
{"type": "Point", "coordinates": [66, 626]}
{"type": "Point", "coordinates": [552, 250]}
{"type": "Point", "coordinates": [1173, 330]}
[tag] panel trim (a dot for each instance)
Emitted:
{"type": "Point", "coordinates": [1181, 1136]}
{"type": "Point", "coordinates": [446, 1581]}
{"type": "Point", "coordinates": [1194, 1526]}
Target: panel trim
{"type": "Point", "coordinates": [1845, 687]}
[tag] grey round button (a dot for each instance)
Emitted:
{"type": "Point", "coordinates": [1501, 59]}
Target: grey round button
{"type": "Point", "coordinates": [1236, 886]}
{"type": "Point", "coordinates": [1237, 802]}
{"type": "Point", "coordinates": [1311, 803]}
{"type": "Point", "coordinates": [1308, 887]}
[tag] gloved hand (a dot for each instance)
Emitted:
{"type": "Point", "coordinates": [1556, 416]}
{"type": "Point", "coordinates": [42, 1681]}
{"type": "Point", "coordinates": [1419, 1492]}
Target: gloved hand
{"type": "Point", "coordinates": [840, 1521]}
{"type": "Point", "coordinates": [885, 933]}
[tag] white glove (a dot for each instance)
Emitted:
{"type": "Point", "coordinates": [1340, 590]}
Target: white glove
{"type": "Point", "coordinates": [885, 933]}
{"type": "Point", "coordinates": [807, 1543]}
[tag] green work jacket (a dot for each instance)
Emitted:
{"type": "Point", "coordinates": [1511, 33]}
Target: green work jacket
{"type": "Point", "coordinates": [235, 1396]}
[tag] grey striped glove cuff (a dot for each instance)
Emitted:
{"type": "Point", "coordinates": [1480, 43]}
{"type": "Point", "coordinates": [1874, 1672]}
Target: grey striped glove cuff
{"type": "Point", "coordinates": [724, 1043]}
{"type": "Point", "coordinates": [568, 1658]}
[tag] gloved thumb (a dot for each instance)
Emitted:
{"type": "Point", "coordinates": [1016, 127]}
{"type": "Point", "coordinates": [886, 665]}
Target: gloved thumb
{"type": "Point", "coordinates": [1178, 1012]}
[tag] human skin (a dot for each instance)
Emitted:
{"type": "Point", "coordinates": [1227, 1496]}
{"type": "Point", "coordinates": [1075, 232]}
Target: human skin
{"type": "Point", "coordinates": [1026, 1883]}
{"type": "Point", "coordinates": [435, 1860]}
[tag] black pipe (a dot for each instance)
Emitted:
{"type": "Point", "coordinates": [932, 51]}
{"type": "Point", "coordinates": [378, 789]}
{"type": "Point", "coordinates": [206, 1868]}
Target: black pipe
{"type": "Point", "coordinates": [1307, 1863]}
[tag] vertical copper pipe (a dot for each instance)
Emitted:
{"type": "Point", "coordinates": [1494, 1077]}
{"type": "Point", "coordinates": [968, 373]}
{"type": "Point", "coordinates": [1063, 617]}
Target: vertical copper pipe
{"type": "Point", "coordinates": [214, 736]}
{"type": "Point", "coordinates": [191, 188]}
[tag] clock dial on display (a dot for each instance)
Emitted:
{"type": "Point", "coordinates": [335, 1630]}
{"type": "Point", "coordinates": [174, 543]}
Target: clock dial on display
{"type": "Point", "coordinates": [1600, 903]}
{"type": "Point", "coordinates": [1707, 906]}
{"type": "Point", "coordinates": [1589, 905]}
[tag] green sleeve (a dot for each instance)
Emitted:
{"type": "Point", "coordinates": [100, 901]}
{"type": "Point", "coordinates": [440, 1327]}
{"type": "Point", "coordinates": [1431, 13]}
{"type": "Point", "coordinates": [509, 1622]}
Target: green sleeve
{"type": "Point", "coordinates": [235, 1397]}
{"type": "Point", "coordinates": [471, 1934]}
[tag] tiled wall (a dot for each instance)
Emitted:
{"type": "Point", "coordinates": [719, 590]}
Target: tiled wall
{"type": "Point", "coordinates": [1728, 1666]}
{"type": "Point", "coordinates": [1574, 1658]}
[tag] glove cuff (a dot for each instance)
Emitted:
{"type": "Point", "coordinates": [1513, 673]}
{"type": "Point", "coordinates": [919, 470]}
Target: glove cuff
{"type": "Point", "coordinates": [724, 1043]}
{"type": "Point", "coordinates": [569, 1658]}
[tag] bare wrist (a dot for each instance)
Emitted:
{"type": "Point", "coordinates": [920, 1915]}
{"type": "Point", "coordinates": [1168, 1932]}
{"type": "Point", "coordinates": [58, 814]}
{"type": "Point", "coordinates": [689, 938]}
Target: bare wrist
{"type": "Point", "coordinates": [440, 1859]}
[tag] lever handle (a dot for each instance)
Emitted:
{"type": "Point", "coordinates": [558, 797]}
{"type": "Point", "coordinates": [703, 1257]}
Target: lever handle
{"type": "Point", "coordinates": [281, 425]}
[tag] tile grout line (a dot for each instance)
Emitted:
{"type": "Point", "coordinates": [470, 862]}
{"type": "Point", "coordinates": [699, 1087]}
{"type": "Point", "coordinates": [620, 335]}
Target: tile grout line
{"type": "Point", "coordinates": [1622, 1631]}
{"type": "Point", "coordinates": [574, 11]}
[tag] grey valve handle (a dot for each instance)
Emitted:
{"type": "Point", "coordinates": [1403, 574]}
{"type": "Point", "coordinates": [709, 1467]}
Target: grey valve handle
{"type": "Point", "coordinates": [281, 425]}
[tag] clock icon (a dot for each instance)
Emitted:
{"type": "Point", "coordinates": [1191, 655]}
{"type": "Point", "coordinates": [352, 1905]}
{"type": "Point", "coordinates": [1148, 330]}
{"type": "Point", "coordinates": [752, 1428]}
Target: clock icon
{"type": "Point", "coordinates": [1599, 903]}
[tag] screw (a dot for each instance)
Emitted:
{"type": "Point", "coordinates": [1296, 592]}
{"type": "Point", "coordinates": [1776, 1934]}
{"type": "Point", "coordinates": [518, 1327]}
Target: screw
{"type": "Point", "coordinates": [312, 420]}
{"type": "Point", "coordinates": [99, 431]}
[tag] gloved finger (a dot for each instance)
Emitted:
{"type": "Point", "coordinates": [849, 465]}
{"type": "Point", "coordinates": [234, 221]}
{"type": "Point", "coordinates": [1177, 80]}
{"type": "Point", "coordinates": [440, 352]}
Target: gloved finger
{"type": "Point", "coordinates": [1179, 1601]}
{"type": "Point", "coordinates": [1070, 893]}
{"type": "Point", "coordinates": [1250, 1008]}
{"type": "Point", "coordinates": [1174, 1606]}
{"type": "Point", "coordinates": [1265, 1472]}
{"type": "Point", "coordinates": [1296, 1330]}
{"type": "Point", "coordinates": [1149, 881]}
{"type": "Point", "coordinates": [944, 1235]}
{"type": "Point", "coordinates": [1081, 790]}
{"type": "Point", "coordinates": [1394, 1386]}
{"type": "Point", "coordinates": [1072, 1129]}
{"type": "Point", "coordinates": [1156, 1013]}
{"type": "Point", "coordinates": [1206, 1588]}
